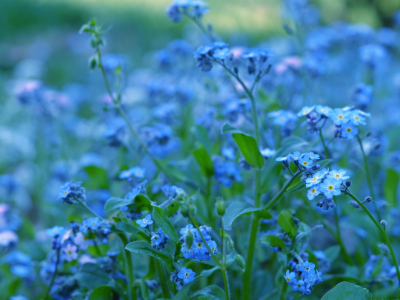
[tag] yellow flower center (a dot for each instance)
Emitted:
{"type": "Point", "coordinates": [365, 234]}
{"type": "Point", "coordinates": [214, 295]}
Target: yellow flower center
{"type": "Point", "coordinates": [340, 117]}
{"type": "Point", "coordinates": [186, 274]}
{"type": "Point", "coordinates": [305, 163]}
{"type": "Point", "coordinates": [313, 191]}
{"type": "Point", "coordinates": [66, 192]}
{"type": "Point", "coordinates": [69, 252]}
{"type": "Point", "coordinates": [337, 175]}
{"type": "Point", "coordinates": [348, 129]}
{"type": "Point", "coordinates": [330, 187]}
{"type": "Point", "coordinates": [199, 245]}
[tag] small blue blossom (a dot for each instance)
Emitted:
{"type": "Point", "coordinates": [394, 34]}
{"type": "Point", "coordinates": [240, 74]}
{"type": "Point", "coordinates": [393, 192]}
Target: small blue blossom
{"type": "Point", "coordinates": [145, 222]}
{"type": "Point", "coordinates": [305, 111]}
{"type": "Point", "coordinates": [266, 152]}
{"type": "Point", "coordinates": [330, 187]}
{"type": "Point", "coordinates": [93, 223]}
{"type": "Point", "coordinates": [313, 192]}
{"type": "Point", "coordinates": [137, 172]}
{"type": "Point", "coordinates": [349, 130]}
{"type": "Point", "coordinates": [338, 175]}
{"type": "Point", "coordinates": [339, 116]}
{"type": "Point", "coordinates": [187, 275]}
{"type": "Point", "coordinates": [324, 110]}
{"type": "Point", "coordinates": [56, 231]}
{"type": "Point", "coordinates": [290, 277]}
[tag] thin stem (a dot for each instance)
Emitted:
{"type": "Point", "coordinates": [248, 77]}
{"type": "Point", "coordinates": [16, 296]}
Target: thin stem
{"type": "Point", "coordinates": [368, 174]}
{"type": "Point", "coordinates": [89, 209]}
{"type": "Point", "coordinates": [340, 240]}
{"type": "Point", "coordinates": [128, 265]}
{"type": "Point", "coordinates": [226, 283]}
{"type": "Point", "coordinates": [283, 291]}
{"type": "Point", "coordinates": [253, 236]}
{"type": "Point", "coordinates": [193, 220]}
{"type": "Point", "coordinates": [283, 190]}
{"type": "Point", "coordinates": [382, 231]}
{"type": "Point", "coordinates": [297, 256]}
{"type": "Point", "coordinates": [53, 278]}
{"type": "Point", "coordinates": [163, 279]}
{"type": "Point", "coordinates": [252, 99]}
{"type": "Point", "coordinates": [323, 143]}
{"type": "Point", "coordinates": [201, 26]}
{"type": "Point", "coordinates": [332, 232]}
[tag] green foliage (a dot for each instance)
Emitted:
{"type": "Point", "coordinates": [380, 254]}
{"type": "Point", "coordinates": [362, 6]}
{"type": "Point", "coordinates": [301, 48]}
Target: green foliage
{"type": "Point", "coordinates": [248, 147]}
{"type": "Point", "coordinates": [204, 160]}
{"type": "Point", "coordinates": [286, 222]}
{"type": "Point", "coordinates": [143, 247]}
{"type": "Point", "coordinates": [391, 186]}
{"type": "Point", "coordinates": [346, 290]}
{"type": "Point", "coordinates": [91, 276]}
{"type": "Point", "coordinates": [162, 220]}
{"type": "Point", "coordinates": [273, 241]}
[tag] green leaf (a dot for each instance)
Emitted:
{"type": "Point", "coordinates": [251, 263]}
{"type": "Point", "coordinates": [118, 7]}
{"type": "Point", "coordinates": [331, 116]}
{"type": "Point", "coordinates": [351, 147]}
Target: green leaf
{"type": "Point", "coordinates": [91, 276]}
{"type": "Point", "coordinates": [346, 290]}
{"type": "Point", "coordinates": [140, 202]}
{"type": "Point", "coordinates": [213, 291]}
{"type": "Point", "coordinates": [202, 137]}
{"type": "Point", "coordinates": [273, 241]}
{"type": "Point", "coordinates": [391, 185]}
{"type": "Point", "coordinates": [286, 222]}
{"type": "Point", "coordinates": [126, 227]}
{"type": "Point", "coordinates": [227, 128]}
{"type": "Point", "coordinates": [204, 160]}
{"type": "Point", "coordinates": [102, 293]}
{"type": "Point", "coordinates": [162, 220]}
{"type": "Point", "coordinates": [145, 248]}
{"type": "Point", "coordinates": [332, 252]}
{"type": "Point", "coordinates": [172, 207]}
{"type": "Point", "coordinates": [98, 178]}
{"type": "Point", "coordinates": [208, 272]}
{"type": "Point", "coordinates": [248, 147]}
{"type": "Point", "coordinates": [235, 210]}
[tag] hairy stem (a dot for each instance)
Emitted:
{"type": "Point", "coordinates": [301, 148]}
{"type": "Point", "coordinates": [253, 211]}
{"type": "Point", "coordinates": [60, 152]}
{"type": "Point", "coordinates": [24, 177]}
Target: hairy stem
{"type": "Point", "coordinates": [368, 174]}
{"type": "Point", "coordinates": [53, 278]}
{"type": "Point", "coordinates": [381, 230]}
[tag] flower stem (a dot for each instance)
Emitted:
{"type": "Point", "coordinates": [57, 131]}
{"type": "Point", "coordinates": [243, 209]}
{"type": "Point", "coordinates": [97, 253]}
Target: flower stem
{"type": "Point", "coordinates": [128, 265]}
{"type": "Point", "coordinates": [226, 283]}
{"type": "Point", "coordinates": [340, 240]}
{"type": "Point", "coordinates": [89, 209]}
{"type": "Point", "coordinates": [382, 231]}
{"type": "Point", "coordinates": [53, 278]}
{"type": "Point", "coordinates": [368, 174]}
{"type": "Point", "coordinates": [323, 143]}
{"type": "Point", "coordinates": [163, 280]}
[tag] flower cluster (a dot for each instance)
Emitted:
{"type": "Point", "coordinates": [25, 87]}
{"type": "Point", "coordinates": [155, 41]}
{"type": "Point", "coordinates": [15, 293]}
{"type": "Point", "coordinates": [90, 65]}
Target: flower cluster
{"type": "Point", "coordinates": [191, 8]}
{"type": "Point", "coordinates": [198, 250]}
{"type": "Point", "coordinates": [303, 161]}
{"type": "Point", "coordinates": [214, 52]}
{"type": "Point", "coordinates": [326, 183]}
{"type": "Point", "coordinates": [159, 239]}
{"type": "Point", "coordinates": [182, 277]}
{"type": "Point", "coordinates": [226, 171]}
{"type": "Point", "coordinates": [72, 193]}
{"type": "Point", "coordinates": [346, 119]}
{"type": "Point", "coordinates": [307, 277]}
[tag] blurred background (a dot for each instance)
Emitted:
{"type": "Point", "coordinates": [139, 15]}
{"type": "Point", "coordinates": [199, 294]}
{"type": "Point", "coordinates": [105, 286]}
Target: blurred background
{"type": "Point", "coordinates": [48, 29]}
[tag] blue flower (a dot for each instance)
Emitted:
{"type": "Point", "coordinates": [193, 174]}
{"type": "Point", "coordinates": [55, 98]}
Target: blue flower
{"type": "Point", "coordinates": [295, 156]}
{"type": "Point", "coordinates": [137, 172]}
{"type": "Point", "coordinates": [222, 54]}
{"type": "Point", "coordinates": [338, 175]}
{"type": "Point", "coordinates": [72, 193]}
{"type": "Point", "coordinates": [139, 189]}
{"type": "Point", "coordinates": [339, 116]}
{"type": "Point", "coordinates": [330, 187]}
{"type": "Point", "coordinates": [372, 54]}
{"type": "Point", "coordinates": [284, 158]}
{"type": "Point", "coordinates": [305, 111]}
{"type": "Point", "coordinates": [144, 222]}
{"type": "Point", "coordinates": [305, 161]}
{"type": "Point", "coordinates": [187, 275]}
{"type": "Point", "coordinates": [349, 130]}
{"type": "Point", "coordinates": [56, 231]}
{"type": "Point", "coordinates": [290, 277]}
{"type": "Point", "coordinates": [186, 229]}
{"type": "Point", "coordinates": [324, 110]}
{"type": "Point", "coordinates": [306, 268]}
{"type": "Point", "coordinates": [266, 152]}
{"type": "Point", "coordinates": [93, 223]}
{"type": "Point", "coordinates": [315, 179]}
{"type": "Point", "coordinates": [313, 156]}
{"type": "Point", "coordinates": [357, 118]}
{"type": "Point", "coordinates": [313, 192]}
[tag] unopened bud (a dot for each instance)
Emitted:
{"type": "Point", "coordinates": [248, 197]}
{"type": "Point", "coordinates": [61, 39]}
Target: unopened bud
{"type": "Point", "coordinates": [221, 207]}
{"type": "Point", "coordinates": [368, 199]}
{"type": "Point", "coordinates": [192, 210]}
{"type": "Point", "coordinates": [369, 133]}
{"type": "Point", "coordinates": [316, 167]}
{"type": "Point", "coordinates": [189, 239]}
{"type": "Point", "coordinates": [383, 223]}
{"type": "Point", "coordinates": [384, 248]}
{"type": "Point", "coordinates": [354, 204]}
{"type": "Point", "coordinates": [93, 62]}
{"type": "Point", "coordinates": [184, 211]}
{"type": "Point", "coordinates": [179, 194]}
{"type": "Point", "coordinates": [240, 261]}
{"type": "Point", "coordinates": [348, 183]}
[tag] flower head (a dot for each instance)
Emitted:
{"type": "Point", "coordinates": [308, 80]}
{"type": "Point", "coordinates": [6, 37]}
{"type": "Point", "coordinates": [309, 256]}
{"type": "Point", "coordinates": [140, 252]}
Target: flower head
{"type": "Point", "coordinates": [145, 222]}
{"type": "Point", "coordinates": [330, 187]}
